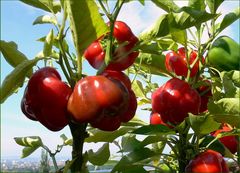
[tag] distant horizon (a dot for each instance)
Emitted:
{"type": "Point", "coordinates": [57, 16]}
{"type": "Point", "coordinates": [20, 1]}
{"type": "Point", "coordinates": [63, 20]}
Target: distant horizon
{"type": "Point", "coordinates": [16, 25]}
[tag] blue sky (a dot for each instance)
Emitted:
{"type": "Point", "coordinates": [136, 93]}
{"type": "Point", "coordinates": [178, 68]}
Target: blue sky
{"type": "Point", "coordinates": [16, 25]}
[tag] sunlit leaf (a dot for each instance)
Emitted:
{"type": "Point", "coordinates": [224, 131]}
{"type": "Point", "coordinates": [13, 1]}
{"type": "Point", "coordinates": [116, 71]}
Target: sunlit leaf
{"type": "Point", "coordinates": [16, 78]}
{"type": "Point", "coordinates": [45, 19]}
{"type": "Point", "coordinates": [99, 157]}
{"type": "Point", "coordinates": [86, 23]}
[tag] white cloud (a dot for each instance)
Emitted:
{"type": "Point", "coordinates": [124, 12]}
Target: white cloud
{"type": "Point", "coordinates": [139, 17]}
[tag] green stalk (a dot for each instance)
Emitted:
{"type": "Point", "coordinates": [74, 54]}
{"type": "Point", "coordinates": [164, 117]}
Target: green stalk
{"type": "Point", "coordinates": [52, 157]}
{"type": "Point", "coordinates": [238, 153]}
{"type": "Point", "coordinates": [79, 134]}
{"type": "Point", "coordinates": [182, 158]}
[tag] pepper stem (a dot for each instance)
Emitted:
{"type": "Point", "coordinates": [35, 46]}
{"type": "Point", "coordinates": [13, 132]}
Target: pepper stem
{"type": "Point", "coordinates": [79, 134]}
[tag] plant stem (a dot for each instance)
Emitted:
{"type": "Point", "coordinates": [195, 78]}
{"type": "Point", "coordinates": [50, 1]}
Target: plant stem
{"type": "Point", "coordinates": [182, 158]}
{"type": "Point", "coordinates": [52, 157]}
{"type": "Point", "coordinates": [79, 134]}
{"type": "Point", "coordinates": [238, 153]}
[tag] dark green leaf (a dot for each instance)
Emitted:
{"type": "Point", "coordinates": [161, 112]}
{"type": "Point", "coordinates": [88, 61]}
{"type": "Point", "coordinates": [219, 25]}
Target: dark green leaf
{"type": "Point", "coordinates": [216, 145]}
{"type": "Point", "coordinates": [214, 4]}
{"type": "Point", "coordinates": [104, 136]}
{"type": "Point", "coordinates": [101, 156]}
{"type": "Point", "coordinates": [153, 130]}
{"type": "Point", "coordinates": [168, 5]}
{"type": "Point", "coordinates": [135, 168]}
{"type": "Point", "coordinates": [86, 23]}
{"type": "Point", "coordinates": [44, 5]}
{"type": "Point", "coordinates": [127, 162]}
{"type": "Point", "coordinates": [188, 17]}
{"type": "Point", "coordinates": [30, 141]}
{"type": "Point", "coordinates": [16, 78]}
{"type": "Point", "coordinates": [129, 143]}
{"type": "Point", "coordinates": [228, 20]}
{"type": "Point", "coordinates": [28, 150]}
{"type": "Point", "coordinates": [203, 124]}
{"type": "Point", "coordinates": [155, 64]}
{"type": "Point", "coordinates": [197, 5]}
{"type": "Point", "coordinates": [11, 54]}
{"type": "Point", "coordinates": [68, 165]}
{"type": "Point", "coordinates": [45, 19]}
{"type": "Point", "coordinates": [226, 110]}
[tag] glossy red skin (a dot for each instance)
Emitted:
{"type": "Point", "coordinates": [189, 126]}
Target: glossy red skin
{"type": "Point", "coordinates": [109, 123]}
{"type": "Point", "coordinates": [123, 57]}
{"type": "Point", "coordinates": [111, 102]}
{"type": "Point", "coordinates": [95, 54]}
{"type": "Point", "coordinates": [205, 93]}
{"type": "Point", "coordinates": [45, 99]}
{"type": "Point", "coordinates": [156, 119]}
{"type": "Point", "coordinates": [207, 162]}
{"type": "Point", "coordinates": [122, 32]}
{"type": "Point", "coordinates": [177, 62]}
{"type": "Point", "coordinates": [228, 141]}
{"type": "Point", "coordinates": [117, 75]}
{"type": "Point", "coordinates": [174, 100]}
{"type": "Point", "coordinates": [93, 96]}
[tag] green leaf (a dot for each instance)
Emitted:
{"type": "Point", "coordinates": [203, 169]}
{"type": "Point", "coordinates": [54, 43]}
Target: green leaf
{"type": "Point", "coordinates": [135, 122]}
{"type": "Point", "coordinates": [203, 124]}
{"type": "Point", "coordinates": [29, 141]}
{"type": "Point", "coordinates": [129, 143]}
{"type": "Point", "coordinates": [44, 5]}
{"type": "Point", "coordinates": [101, 156]}
{"type": "Point", "coordinates": [216, 145]}
{"type": "Point", "coordinates": [228, 20]}
{"type": "Point", "coordinates": [214, 4]}
{"type": "Point", "coordinates": [68, 165]}
{"type": "Point", "coordinates": [153, 130]}
{"type": "Point", "coordinates": [168, 5]}
{"type": "Point", "coordinates": [230, 81]}
{"type": "Point", "coordinates": [197, 5]}
{"type": "Point", "coordinates": [155, 64]}
{"type": "Point", "coordinates": [138, 89]}
{"type": "Point", "coordinates": [86, 23]}
{"type": "Point", "coordinates": [127, 161]}
{"type": "Point", "coordinates": [159, 29]}
{"type": "Point", "coordinates": [28, 150]}
{"type": "Point", "coordinates": [66, 141]}
{"type": "Point", "coordinates": [11, 53]}
{"type": "Point", "coordinates": [184, 18]}
{"type": "Point", "coordinates": [188, 17]}
{"type": "Point", "coordinates": [45, 19]}
{"type": "Point", "coordinates": [180, 36]}
{"type": "Point", "coordinates": [234, 76]}
{"type": "Point", "coordinates": [47, 49]}
{"type": "Point", "coordinates": [56, 43]}
{"type": "Point", "coordinates": [104, 136]}
{"type": "Point", "coordinates": [226, 110]}
{"type": "Point", "coordinates": [16, 78]}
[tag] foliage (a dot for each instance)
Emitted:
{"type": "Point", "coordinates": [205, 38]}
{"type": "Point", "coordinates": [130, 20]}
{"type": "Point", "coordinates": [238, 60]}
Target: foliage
{"type": "Point", "coordinates": [142, 147]}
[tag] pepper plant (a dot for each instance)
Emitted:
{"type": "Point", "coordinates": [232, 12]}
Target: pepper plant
{"type": "Point", "coordinates": [190, 116]}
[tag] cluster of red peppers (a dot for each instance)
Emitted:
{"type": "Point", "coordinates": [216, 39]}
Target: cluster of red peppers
{"type": "Point", "coordinates": [172, 102]}
{"type": "Point", "coordinates": [104, 101]}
